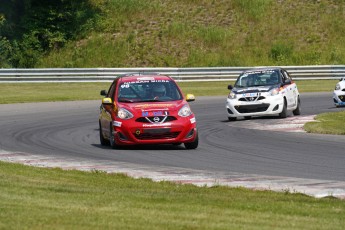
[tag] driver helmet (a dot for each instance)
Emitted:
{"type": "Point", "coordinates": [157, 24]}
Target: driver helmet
{"type": "Point", "coordinates": [159, 90]}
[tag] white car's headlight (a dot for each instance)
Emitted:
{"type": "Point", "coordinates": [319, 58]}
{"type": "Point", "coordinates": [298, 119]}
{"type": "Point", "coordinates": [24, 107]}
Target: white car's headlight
{"type": "Point", "coordinates": [124, 114]}
{"type": "Point", "coordinates": [232, 95]}
{"type": "Point", "coordinates": [185, 111]}
{"type": "Point", "coordinates": [274, 91]}
{"type": "Point", "coordinates": [337, 87]}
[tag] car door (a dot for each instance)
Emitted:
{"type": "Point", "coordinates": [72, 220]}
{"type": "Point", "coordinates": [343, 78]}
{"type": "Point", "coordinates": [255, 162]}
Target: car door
{"type": "Point", "coordinates": [290, 89]}
{"type": "Point", "coordinates": [106, 110]}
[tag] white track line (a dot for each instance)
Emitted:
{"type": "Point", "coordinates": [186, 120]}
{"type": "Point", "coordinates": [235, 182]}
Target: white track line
{"type": "Point", "coordinates": [311, 187]}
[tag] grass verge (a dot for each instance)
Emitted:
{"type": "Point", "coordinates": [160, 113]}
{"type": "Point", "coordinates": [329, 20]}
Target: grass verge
{"type": "Point", "coordinates": [327, 123]}
{"type": "Point", "coordinates": [41, 92]}
{"type": "Point", "coordinates": [40, 198]}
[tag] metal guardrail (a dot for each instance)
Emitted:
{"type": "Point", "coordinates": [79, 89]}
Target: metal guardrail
{"type": "Point", "coordinates": [179, 74]}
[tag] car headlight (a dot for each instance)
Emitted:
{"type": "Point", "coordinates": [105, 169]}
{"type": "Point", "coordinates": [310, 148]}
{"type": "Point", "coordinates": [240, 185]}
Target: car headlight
{"type": "Point", "coordinates": [274, 91]}
{"type": "Point", "coordinates": [232, 95]}
{"type": "Point", "coordinates": [337, 87]}
{"type": "Point", "coordinates": [185, 111]}
{"type": "Point", "coordinates": [124, 114]}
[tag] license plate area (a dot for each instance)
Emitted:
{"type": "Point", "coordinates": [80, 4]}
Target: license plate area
{"type": "Point", "coordinates": [157, 131]}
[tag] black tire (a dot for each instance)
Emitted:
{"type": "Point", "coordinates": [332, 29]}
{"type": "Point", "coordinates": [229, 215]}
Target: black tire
{"type": "Point", "coordinates": [283, 114]}
{"type": "Point", "coordinates": [297, 111]}
{"type": "Point", "coordinates": [112, 138]}
{"type": "Point", "coordinates": [232, 118]}
{"type": "Point", "coordinates": [192, 145]}
{"type": "Point", "coordinates": [101, 137]}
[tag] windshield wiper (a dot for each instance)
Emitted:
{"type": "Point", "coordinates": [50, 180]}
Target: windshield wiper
{"type": "Point", "coordinates": [126, 100]}
{"type": "Point", "coordinates": [151, 100]}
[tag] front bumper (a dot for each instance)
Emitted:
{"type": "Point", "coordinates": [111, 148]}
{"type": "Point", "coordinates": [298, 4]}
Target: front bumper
{"type": "Point", "coordinates": [239, 107]}
{"type": "Point", "coordinates": [339, 98]}
{"type": "Point", "coordinates": [182, 130]}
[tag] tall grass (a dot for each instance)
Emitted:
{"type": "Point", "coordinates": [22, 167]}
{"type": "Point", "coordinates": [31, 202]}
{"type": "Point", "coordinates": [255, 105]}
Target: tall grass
{"type": "Point", "coordinates": [254, 8]}
{"type": "Point", "coordinates": [155, 33]}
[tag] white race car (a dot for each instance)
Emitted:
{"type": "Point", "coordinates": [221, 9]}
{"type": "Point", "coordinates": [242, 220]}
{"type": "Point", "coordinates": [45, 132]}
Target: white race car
{"type": "Point", "coordinates": [339, 93]}
{"type": "Point", "coordinates": [264, 91]}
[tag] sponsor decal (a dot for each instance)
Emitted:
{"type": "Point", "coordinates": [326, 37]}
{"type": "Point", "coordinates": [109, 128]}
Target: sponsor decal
{"type": "Point", "coordinates": [154, 113]}
{"type": "Point", "coordinates": [192, 120]}
{"type": "Point", "coordinates": [157, 113]}
{"type": "Point", "coordinates": [155, 125]}
{"type": "Point", "coordinates": [144, 106]}
{"type": "Point", "coordinates": [250, 94]}
{"type": "Point", "coordinates": [117, 123]}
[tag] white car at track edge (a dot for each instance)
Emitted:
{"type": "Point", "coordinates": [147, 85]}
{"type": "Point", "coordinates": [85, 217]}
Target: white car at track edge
{"type": "Point", "coordinates": [263, 91]}
{"type": "Point", "coordinates": [339, 93]}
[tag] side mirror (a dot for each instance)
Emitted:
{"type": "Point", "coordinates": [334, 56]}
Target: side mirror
{"type": "Point", "coordinates": [107, 101]}
{"type": "Point", "coordinates": [103, 92]}
{"type": "Point", "coordinates": [230, 87]}
{"type": "Point", "coordinates": [190, 97]}
{"type": "Point", "coordinates": [288, 82]}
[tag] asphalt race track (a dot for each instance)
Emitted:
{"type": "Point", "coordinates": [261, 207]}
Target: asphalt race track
{"type": "Point", "coordinates": [261, 153]}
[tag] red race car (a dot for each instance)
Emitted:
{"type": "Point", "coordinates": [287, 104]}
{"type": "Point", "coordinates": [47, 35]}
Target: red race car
{"type": "Point", "coordinates": [146, 109]}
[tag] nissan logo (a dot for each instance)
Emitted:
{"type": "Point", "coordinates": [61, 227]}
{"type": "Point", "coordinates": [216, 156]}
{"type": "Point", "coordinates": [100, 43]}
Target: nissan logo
{"type": "Point", "coordinates": [156, 119]}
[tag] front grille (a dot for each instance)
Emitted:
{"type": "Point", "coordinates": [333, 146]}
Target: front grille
{"type": "Point", "coordinates": [251, 98]}
{"type": "Point", "coordinates": [156, 136]}
{"type": "Point", "coordinates": [151, 119]}
{"type": "Point", "coordinates": [252, 108]}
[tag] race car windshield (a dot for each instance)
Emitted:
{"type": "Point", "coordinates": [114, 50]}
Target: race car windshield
{"type": "Point", "coordinates": [148, 91]}
{"type": "Point", "coordinates": [260, 78]}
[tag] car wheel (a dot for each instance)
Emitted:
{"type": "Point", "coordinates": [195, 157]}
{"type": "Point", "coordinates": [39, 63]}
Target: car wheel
{"type": "Point", "coordinates": [112, 138]}
{"type": "Point", "coordinates": [297, 111]}
{"type": "Point", "coordinates": [283, 114]}
{"type": "Point", "coordinates": [232, 118]}
{"type": "Point", "coordinates": [101, 137]}
{"type": "Point", "coordinates": [192, 145]}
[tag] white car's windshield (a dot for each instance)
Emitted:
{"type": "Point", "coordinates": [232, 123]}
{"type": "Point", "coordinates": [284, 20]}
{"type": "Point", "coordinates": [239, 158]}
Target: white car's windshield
{"type": "Point", "coordinates": [258, 78]}
{"type": "Point", "coordinates": [156, 90]}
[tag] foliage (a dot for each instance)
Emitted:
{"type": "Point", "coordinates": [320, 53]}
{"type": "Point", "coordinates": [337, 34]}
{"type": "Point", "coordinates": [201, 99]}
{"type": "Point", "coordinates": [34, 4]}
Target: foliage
{"type": "Point", "coordinates": [35, 27]}
{"type": "Point", "coordinates": [179, 33]}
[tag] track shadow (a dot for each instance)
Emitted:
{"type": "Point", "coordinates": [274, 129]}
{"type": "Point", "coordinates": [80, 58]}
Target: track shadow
{"type": "Point", "coordinates": [143, 147]}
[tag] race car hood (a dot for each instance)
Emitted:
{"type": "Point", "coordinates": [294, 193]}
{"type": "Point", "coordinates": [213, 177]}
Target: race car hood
{"type": "Point", "coordinates": [154, 109]}
{"type": "Point", "coordinates": [254, 89]}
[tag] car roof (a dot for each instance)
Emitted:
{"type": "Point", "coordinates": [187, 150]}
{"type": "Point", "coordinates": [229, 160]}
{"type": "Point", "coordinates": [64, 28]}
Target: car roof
{"type": "Point", "coordinates": [143, 77]}
{"type": "Point", "coordinates": [263, 69]}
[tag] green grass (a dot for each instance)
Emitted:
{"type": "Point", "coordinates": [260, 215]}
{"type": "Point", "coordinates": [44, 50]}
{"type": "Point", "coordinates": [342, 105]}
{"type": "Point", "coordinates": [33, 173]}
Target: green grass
{"type": "Point", "coordinates": [42, 92]}
{"type": "Point", "coordinates": [39, 198]}
{"type": "Point", "coordinates": [190, 33]}
{"type": "Point", "coordinates": [327, 123]}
